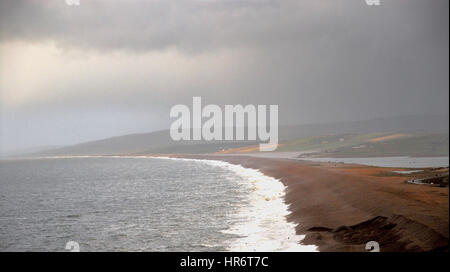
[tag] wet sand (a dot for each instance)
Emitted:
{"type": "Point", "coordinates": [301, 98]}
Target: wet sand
{"type": "Point", "coordinates": [340, 207]}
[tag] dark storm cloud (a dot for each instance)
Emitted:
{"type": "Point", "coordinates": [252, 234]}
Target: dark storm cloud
{"type": "Point", "coordinates": [201, 25]}
{"type": "Point", "coordinates": [137, 25]}
{"type": "Point", "coordinates": [319, 60]}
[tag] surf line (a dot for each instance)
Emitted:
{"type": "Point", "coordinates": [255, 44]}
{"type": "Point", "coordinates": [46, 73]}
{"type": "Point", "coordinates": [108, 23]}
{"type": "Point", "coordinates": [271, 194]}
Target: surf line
{"type": "Point", "coordinates": [266, 204]}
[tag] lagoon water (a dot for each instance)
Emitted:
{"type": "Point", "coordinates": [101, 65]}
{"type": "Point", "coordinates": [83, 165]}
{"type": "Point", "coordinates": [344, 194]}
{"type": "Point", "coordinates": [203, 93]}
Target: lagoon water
{"type": "Point", "coordinates": [141, 204]}
{"type": "Point", "coordinates": [400, 161]}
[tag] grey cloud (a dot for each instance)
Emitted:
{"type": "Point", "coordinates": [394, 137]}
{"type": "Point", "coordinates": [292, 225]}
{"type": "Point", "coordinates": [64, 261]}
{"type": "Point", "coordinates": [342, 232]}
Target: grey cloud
{"type": "Point", "coordinates": [202, 25]}
{"type": "Point", "coordinates": [319, 60]}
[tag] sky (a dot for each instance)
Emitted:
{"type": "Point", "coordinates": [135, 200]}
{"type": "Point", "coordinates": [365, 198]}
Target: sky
{"type": "Point", "coordinates": [70, 74]}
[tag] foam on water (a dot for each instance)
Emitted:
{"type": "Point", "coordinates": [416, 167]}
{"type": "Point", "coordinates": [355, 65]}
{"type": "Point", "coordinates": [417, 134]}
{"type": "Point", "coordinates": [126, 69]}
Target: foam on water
{"type": "Point", "coordinates": [262, 223]}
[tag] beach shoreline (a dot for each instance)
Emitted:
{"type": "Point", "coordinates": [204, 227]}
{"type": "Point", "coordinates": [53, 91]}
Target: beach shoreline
{"type": "Point", "coordinates": [341, 207]}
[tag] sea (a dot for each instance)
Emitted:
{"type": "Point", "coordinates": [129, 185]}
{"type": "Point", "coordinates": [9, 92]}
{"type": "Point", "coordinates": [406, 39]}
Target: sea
{"type": "Point", "coordinates": [141, 204]}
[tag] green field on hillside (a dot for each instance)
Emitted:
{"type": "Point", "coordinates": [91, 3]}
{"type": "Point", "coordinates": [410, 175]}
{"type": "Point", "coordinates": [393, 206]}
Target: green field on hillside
{"type": "Point", "coordinates": [362, 145]}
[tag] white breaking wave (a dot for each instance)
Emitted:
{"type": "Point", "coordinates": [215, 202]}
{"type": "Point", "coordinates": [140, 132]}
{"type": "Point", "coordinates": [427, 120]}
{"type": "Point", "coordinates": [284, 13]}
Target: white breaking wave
{"type": "Point", "coordinates": [262, 224]}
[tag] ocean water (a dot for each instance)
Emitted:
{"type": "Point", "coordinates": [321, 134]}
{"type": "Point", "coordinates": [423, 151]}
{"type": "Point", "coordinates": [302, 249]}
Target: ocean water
{"type": "Point", "coordinates": [141, 204]}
